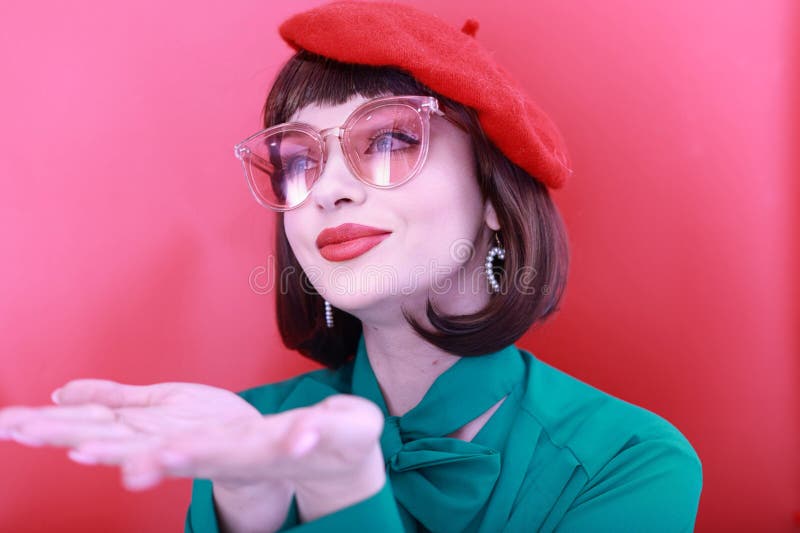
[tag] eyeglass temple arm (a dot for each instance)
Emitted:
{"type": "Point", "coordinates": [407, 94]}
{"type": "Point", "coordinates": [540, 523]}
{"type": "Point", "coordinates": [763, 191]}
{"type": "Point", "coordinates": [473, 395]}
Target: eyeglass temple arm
{"type": "Point", "coordinates": [256, 159]}
{"type": "Point", "coordinates": [446, 115]}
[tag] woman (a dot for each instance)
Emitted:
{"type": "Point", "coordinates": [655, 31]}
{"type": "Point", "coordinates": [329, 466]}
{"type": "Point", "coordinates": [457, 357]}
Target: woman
{"type": "Point", "coordinates": [427, 417]}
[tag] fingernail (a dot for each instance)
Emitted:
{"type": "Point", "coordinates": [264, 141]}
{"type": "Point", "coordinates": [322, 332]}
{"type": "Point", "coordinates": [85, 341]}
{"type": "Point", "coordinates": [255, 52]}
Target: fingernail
{"type": "Point", "coordinates": [54, 396]}
{"type": "Point", "coordinates": [169, 458]}
{"type": "Point", "coordinates": [26, 439]}
{"type": "Point", "coordinates": [82, 458]}
{"type": "Point", "coordinates": [305, 443]}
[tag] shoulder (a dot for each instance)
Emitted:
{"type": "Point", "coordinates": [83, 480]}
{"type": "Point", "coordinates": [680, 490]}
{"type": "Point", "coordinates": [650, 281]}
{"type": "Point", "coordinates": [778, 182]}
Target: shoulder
{"type": "Point", "coordinates": [300, 391]}
{"type": "Point", "coordinates": [612, 464]}
{"type": "Point", "coordinates": [596, 426]}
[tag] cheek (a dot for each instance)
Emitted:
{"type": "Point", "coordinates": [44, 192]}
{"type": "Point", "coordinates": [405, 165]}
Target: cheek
{"type": "Point", "coordinates": [443, 224]}
{"type": "Point", "coordinates": [293, 226]}
{"type": "Point", "coordinates": [289, 229]}
{"type": "Point", "coordinates": [453, 183]}
{"type": "Point", "coordinates": [452, 201]}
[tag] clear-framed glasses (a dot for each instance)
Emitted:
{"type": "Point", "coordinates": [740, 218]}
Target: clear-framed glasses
{"type": "Point", "coordinates": [385, 143]}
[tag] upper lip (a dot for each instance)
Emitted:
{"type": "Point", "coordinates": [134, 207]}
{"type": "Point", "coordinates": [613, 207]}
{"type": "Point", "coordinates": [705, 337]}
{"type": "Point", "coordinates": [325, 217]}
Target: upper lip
{"type": "Point", "coordinates": [346, 232]}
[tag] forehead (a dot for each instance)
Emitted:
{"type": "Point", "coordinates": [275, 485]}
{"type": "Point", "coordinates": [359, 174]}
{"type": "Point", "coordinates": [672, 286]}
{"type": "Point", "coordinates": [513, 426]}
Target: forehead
{"type": "Point", "coordinates": [327, 116]}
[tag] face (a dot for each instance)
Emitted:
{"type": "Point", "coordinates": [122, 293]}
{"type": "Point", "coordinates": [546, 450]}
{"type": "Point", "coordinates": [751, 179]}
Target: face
{"type": "Point", "coordinates": [438, 229]}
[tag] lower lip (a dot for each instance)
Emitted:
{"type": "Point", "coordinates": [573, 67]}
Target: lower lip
{"type": "Point", "coordinates": [342, 251]}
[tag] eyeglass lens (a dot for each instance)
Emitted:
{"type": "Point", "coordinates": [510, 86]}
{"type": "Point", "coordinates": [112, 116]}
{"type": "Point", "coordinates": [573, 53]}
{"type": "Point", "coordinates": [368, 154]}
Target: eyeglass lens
{"type": "Point", "coordinates": [383, 146]}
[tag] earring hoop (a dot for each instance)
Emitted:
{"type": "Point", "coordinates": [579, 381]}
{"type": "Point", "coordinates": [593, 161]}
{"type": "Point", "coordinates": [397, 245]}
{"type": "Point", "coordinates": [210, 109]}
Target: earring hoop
{"type": "Point", "coordinates": [496, 252]}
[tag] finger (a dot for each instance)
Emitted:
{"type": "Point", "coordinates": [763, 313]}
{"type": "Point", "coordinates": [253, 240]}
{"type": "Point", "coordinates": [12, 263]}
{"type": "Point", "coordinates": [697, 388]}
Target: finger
{"type": "Point", "coordinates": [68, 433]}
{"type": "Point", "coordinates": [141, 472]}
{"type": "Point", "coordinates": [12, 417]}
{"type": "Point", "coordinates": [105, 392]}
{"type": "Point", "coordinates": [112, 452]}
{"type": "Point", "coordinates": [140, 468]}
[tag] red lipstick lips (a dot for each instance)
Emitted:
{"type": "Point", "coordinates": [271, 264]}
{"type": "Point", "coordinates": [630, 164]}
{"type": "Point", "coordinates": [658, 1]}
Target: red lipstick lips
{"type": "Point", "coordinates": [347, 241]}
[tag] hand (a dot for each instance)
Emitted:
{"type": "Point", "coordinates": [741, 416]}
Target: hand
{"type": "Point", "coordinates": [130, 419]}
{"type": "Point", "coordinates": [192, 430]}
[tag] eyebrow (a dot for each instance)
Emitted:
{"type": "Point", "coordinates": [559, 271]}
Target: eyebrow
{"type": "Point", "coordinates": [337, 125]}
{"type": "Point", "coordinates": [307, 122]}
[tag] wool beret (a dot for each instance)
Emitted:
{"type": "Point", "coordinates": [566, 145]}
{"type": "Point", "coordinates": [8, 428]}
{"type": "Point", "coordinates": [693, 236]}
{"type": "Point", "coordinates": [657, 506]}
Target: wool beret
{"type": "Point", "coordinates": [451, 62]}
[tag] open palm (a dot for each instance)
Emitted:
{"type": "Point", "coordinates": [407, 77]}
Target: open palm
{"type": "Point", "coordinates": [194, 430]}
{"type": "Point", "coordinates": [92, 409]}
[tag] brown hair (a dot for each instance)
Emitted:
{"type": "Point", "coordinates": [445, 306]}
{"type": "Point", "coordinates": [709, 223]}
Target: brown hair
{"type": "Point", "coordinates": [532, 231]}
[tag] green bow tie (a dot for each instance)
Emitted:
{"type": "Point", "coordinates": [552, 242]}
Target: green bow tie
{"type": "Point", "coordinates": [453, 477]}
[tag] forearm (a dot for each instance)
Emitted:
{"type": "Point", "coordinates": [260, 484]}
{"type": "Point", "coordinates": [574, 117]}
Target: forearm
{"type": "Point", "coordinates": [260, 509]}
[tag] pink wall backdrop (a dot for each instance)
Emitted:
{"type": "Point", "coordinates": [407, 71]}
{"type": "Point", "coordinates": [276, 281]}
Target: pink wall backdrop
{"type": "Point", "coordinates": [131, 248]}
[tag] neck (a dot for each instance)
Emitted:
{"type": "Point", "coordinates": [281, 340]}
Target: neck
{"type": "Point", "coordinates": [404, 364]}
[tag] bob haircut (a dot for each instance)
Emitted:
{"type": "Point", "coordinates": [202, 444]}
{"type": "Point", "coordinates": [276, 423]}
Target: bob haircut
{"type": "Point", "coordinates": [532, 278]}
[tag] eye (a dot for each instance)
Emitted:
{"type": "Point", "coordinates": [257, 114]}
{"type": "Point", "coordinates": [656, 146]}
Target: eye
{"type": "Point", "coordinates": [391, 141]}
{"type": "Point", "coordinates": [299, 165]}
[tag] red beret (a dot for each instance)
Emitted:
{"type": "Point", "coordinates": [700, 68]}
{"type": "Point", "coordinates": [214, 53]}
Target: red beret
{"type": "Point", "coordinates": [449, 61]}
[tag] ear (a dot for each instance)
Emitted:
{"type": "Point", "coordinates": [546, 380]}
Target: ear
{"type": "Point", "coordinates": [490, 215]}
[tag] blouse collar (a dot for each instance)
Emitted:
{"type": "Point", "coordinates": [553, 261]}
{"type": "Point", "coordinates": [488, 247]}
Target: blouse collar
{"type": "Point", "coordinates": [460, 394]}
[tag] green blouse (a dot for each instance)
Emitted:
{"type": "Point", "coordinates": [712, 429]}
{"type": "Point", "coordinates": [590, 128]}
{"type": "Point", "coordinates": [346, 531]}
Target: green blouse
{"type": "Point", "coordinates": [558, 455]}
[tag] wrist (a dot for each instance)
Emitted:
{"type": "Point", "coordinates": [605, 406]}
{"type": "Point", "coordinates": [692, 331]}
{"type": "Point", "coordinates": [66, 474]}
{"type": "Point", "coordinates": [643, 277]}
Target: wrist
{"type": "Point", "coordinates": [259, 507]}
{"type": "Point", "coordinates": [322, 497]}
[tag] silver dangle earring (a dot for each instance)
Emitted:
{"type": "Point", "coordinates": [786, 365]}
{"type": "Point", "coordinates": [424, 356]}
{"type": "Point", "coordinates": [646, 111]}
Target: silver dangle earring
{"type": "Point", "coordinates": [328, 314]}
{"type": "Point", "coordinates": [499, 252]}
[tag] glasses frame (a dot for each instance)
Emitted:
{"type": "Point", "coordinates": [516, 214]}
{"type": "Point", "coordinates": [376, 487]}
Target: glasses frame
{"type": "Point", "coordinates": [425, 106]}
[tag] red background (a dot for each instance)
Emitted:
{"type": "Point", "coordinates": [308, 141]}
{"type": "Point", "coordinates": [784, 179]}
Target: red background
{"type": "Point", "coordinates": [132, 249]}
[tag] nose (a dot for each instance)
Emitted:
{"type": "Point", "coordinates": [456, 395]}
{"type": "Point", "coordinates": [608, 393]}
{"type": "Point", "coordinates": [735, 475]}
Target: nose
{"type": "Point", "coordinates": [337, 184]}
